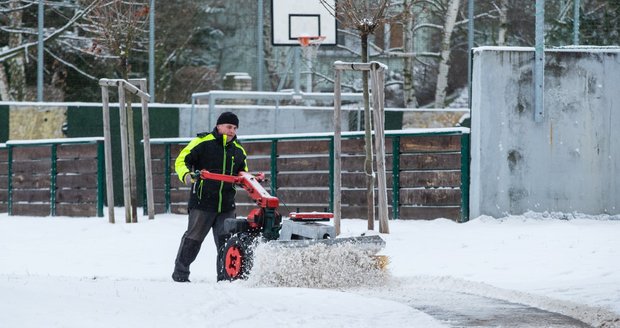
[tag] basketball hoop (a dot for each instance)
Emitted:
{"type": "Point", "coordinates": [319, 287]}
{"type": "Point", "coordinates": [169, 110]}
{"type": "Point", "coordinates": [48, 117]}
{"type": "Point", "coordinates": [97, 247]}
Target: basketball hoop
{"type": "Point", "coordinates": [310, 45]}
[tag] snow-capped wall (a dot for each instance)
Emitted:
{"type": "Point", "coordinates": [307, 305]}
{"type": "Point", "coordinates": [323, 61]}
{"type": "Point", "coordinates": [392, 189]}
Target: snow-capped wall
{"type": "Point", "coordinates": [569, 162]}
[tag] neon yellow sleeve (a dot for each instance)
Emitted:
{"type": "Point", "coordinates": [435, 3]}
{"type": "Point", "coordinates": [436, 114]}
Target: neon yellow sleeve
{"type": "Point", "coordinates": [179, 163]}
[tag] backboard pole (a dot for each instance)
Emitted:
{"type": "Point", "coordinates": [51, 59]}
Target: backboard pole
{"type": "Point", "coordinates": [309, 76]}
{"type": "Point", "coordinates": [260, 53]}
{"type": "Point", "coordinates": [297, 70]}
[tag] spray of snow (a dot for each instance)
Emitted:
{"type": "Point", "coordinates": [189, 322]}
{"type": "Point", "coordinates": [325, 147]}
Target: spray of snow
{"type": "Point", "coordinates": [315, 266]}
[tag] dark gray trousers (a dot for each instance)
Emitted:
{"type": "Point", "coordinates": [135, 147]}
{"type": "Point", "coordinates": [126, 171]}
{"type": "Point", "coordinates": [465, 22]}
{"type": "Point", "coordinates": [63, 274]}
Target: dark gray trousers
{"type": "Point", "coordinates": [198, 226]}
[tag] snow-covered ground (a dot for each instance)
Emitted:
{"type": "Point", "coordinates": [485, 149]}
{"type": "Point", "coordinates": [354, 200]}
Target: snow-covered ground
{"type": "Point", "coordinates": [85, 272]}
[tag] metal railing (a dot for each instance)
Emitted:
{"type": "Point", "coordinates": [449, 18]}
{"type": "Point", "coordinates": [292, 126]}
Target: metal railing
{"type": "Point", "coordinates": [394, 171]}
{"type": "Point", "coordinates": [212, 97]}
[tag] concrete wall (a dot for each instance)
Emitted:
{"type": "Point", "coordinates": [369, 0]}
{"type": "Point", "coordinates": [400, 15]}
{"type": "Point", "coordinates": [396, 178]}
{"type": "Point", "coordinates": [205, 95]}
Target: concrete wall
{"type": "Point", "coordinates": [569, 162]}
{"type": "Point", "coordinates": [255, 119]}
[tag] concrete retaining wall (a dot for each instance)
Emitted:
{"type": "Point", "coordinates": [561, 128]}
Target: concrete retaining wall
{"type": "Point", "coordinates": [569, 162]}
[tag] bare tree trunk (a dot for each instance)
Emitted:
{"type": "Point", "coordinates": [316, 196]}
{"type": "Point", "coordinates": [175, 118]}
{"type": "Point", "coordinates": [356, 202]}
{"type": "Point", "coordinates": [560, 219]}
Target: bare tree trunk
{"type": "Point", "coordinates": [131, 148]}
{"type": "Point", "coordinates": [125, 68]}
{"type": "Point", "coordinates": [370, 178]}
{"type": "Point", "coordinates": [17, 72]}
{"type": "Point", "coordinates": [4, 84]}
{"type": "Point", "coordinates": [408, 83]}
{"type": "Point", "coordinates": [503, 22]}
{"type": "Point", "coordinates": [444, 66]}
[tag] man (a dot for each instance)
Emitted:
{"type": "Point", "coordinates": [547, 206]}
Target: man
{"type": "Point", "coordinates": [210, 202]}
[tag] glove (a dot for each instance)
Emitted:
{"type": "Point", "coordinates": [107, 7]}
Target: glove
{"type": "Point", "coordinates": [188, 179]}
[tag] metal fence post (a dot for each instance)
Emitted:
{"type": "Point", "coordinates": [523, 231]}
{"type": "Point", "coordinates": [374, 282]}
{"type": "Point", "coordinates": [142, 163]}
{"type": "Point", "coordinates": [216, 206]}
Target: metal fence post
{"type": "Point", "coordinates": [396, 177]}
{"type": "Point", "coordinates": [465, 153]}
{"type": "Point", "coordinates": [274, 167]}
{"type": "Point", "coordinates": [331, 174]}
{"type": "Point", "coordinates": [100, 179]}
{"type": "Point", "coordinates": [167, 153]}
{"type": "Point", "coordinates": [53, 172]}
{"type": "Point", "coordinates": [9, 149]}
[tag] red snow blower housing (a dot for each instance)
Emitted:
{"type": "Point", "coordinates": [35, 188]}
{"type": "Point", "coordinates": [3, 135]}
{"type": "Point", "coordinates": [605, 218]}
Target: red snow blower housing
{"type": "Point", "coordinates": [265, 223]}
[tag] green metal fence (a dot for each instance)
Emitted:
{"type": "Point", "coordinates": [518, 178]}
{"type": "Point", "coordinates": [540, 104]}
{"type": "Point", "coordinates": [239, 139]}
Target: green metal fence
{"type": "Point", "coordinates": [55, 177]}
{"type": "Point", "coordinates": [445, 142]}
{"type": "Point", "coordinates": [428, 173]}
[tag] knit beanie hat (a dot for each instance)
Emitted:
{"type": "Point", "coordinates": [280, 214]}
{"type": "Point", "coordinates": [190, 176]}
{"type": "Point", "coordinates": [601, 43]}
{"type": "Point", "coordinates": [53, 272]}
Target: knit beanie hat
{"type": "Point", "coordinates": [228, 117]}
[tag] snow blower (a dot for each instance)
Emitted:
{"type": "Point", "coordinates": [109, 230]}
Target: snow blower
{"type": "Point", "coordinates": [265, 224]}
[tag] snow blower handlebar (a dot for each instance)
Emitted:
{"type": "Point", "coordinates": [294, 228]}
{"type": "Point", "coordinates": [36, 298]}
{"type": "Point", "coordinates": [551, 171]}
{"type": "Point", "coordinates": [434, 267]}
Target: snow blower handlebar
{"type": "Point", "coordinates": [249, 182]}
{"type": "Point", "coordinates": [265, 218]}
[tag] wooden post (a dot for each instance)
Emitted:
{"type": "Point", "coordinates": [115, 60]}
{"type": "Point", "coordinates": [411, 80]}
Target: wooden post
{"type": "Point", "coordinates": [146, 136]}
{"type": "Point", "coordinates": [131, 150]}
{"type": "Point", "coordinates": [125, 153]}
{"type": "Point", "coordinates": [376, 71]}
{"type": "Point", "coordinates": [127, 147]}
{"type": "Point", "coordinates": [337, 152]}
{"type": "Point", "coordinates": [109, 180]}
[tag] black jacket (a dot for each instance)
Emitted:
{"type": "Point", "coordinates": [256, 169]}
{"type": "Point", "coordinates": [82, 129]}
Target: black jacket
{"type": "Point", "coordinates": [212, 152]}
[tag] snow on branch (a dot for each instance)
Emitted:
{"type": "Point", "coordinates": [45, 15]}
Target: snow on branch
{"type": "Point", "coordinates": [12, 52]}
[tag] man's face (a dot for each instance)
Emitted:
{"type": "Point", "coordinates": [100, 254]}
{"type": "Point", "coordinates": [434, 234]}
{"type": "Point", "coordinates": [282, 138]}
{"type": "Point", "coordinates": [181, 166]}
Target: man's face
{"type": "Point", "coordinates": [228, 129]}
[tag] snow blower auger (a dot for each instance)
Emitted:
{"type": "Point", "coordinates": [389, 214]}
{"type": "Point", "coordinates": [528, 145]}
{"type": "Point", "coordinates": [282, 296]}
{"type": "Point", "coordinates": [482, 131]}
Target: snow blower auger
{"type": "Point", "coordinates": [265, 224]}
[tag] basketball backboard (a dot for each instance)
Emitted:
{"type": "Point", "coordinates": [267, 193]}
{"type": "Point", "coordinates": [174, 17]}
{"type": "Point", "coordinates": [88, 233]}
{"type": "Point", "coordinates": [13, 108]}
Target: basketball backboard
{"type": "Point", "coordinates": [291, 19]}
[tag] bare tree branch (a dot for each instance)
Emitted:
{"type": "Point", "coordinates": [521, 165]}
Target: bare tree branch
{"type": "Point", "coordinates": [330, 80]}
{"type": "Point", "coordinates": [75, 68]}
{"type": "Point", "coordinates": [73, 48]}
{"type": "Point", "coordinates": [10, 10]}
{"type": "Point", "coordinates": [118, 26]}
{"type": "Point", "coordinates": [10, 53]}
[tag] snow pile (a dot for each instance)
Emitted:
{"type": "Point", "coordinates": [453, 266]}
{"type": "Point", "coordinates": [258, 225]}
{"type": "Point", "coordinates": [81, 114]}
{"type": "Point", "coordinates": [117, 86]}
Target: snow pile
{"type": "Point", "coordinates": [315, 266]}
{"type": "Point", "coordinates": [530, 215]}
